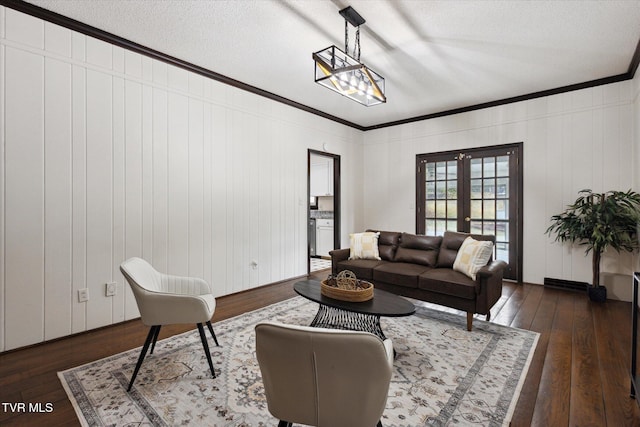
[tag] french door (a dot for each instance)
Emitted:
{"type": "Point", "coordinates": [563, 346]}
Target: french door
{"type": "Point", "coordinates": [475, 191]}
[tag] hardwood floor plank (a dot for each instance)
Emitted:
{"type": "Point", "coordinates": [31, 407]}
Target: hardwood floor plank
{"type": "Point", "coordinates": [614, 369]}
{"type": "Point", "coordinates": [554, 393]}
{"type": "Point", "coordinates": [586, 403]}
{"type": "Point", "coordinates": [507, 313]}
{"type": "Point", "coordinates": [528, 309]}
{"type": "Point", "coordinates": [542, 324]}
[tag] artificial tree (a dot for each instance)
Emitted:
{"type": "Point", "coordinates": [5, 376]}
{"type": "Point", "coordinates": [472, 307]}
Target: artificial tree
{"type": "Point", "coordinates": [599, 221]}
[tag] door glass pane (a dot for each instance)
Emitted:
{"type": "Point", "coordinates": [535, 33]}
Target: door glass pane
{"type": "Point", "coordinates": [502, 251]}
{"type": "Point", "coordinates": [441, 226]}
{"type": "Point", "coordinates": [501, 231]}
{"type": "Point", "coordinates": [476, 209]}
{"type": "Point", "coordinates": [502, 209]}
{"type": "Point", "coordinates": [441, 189]}
{"type": "Point", "coordinates": [476, 227]}
{"type": "Point", "coordinates": [452, 190]}
{"type": "Point", "coordinates": [502, 164]}
{"type": "Point", "coordinates": [452, 170]}
{"type": "Point", "coordinates": [430, 208]}
{"type": "Point", "coordinates": [452, 225]}
{"type": "Point", "coordinates": [441, 209]}
{"type": "Point", "coordinates": [441, 170]}
{"type": "Point", "coordinates": [489, 167]}
{"type": "Point", "coordinates": [452, 209]}
{"type": "Point", "coordinates": [431, 171]}
{"type": "Point", "coordinates": [488, 209]}
{"type": "Point", "coordinates": [489, 188]}
{"type": "Point", "coordinates": [476, 168]}
{"type": "Point", "coordinates": [502, 188]}
{"type": "Point", "coordinates": [430, 227]}
{"type": "Point", "coordinates": [431, 190]}
{"type": "Point", "coordinates": [489, 227]}
{"type": "Point", "coordinates": [476, 188]}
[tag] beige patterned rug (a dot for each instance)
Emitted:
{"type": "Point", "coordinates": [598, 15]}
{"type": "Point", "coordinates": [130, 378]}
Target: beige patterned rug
{"type": "Point", "coordinates": [443, 375]}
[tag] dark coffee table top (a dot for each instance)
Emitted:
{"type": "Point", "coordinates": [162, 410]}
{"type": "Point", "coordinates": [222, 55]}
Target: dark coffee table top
{"type": "Point", "coordinates": [382, 304]}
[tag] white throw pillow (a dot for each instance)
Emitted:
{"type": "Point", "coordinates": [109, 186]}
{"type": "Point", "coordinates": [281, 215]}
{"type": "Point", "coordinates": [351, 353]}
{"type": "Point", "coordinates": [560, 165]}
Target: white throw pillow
{"type": "Point", "coordinates": [472, 256]}
{"type": "Point", "coordinates": [364, 245]}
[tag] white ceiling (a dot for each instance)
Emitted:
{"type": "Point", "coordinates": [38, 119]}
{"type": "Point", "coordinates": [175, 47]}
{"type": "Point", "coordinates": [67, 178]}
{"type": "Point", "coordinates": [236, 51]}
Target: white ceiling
{"type": "Point", "coordinates": [435, 55]}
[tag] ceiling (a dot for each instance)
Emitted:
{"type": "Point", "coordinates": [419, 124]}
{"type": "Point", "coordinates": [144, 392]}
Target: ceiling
{"type": "Point", "coordinates": [436, 56]}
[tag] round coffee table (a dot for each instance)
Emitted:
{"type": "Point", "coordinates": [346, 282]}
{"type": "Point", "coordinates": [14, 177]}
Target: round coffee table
{"type": "Point", "coordinates": [355, 316]}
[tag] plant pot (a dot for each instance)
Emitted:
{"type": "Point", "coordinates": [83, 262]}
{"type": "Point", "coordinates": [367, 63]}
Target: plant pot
{"type": "Point", "coordinates": [598, 294]}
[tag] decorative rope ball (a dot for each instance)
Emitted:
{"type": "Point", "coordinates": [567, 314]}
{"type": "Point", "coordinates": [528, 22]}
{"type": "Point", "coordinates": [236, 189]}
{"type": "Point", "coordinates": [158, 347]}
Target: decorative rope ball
{"type": "Point", "coordinates": [347, 279]}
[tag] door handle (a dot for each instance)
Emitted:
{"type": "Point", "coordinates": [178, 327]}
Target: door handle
{"type": "Point", "coordinates": [467, 219]}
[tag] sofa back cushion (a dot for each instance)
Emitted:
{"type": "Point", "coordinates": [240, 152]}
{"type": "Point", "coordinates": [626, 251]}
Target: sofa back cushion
{"type": "Point", "coordinates": [416, 249]}
{"type": "Point", "coordinates": [451, 242]}
{"type": "Point", "coordinates": [388, 242]}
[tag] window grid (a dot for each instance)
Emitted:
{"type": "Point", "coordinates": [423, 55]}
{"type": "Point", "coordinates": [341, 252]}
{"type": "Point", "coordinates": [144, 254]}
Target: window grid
{"type": "Point", "coordinates": [441, 201]}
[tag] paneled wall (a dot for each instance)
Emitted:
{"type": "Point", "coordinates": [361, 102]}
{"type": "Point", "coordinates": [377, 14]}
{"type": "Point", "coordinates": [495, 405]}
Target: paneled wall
{"type": "Point", "coordinates": [572, 141]}
{"type": "Point", "coordinates": [108, 154]}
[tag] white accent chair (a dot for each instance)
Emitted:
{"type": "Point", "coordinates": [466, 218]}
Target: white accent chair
{"type": "Point", "coordinates": [164, 300]}
{"type": "Point", "coordinates": [324, 377]}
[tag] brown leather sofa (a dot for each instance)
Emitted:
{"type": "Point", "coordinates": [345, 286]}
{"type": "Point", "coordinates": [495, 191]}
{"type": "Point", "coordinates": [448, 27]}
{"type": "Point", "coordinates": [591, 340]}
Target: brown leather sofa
{"type": "Point", "coordinates": [421, 267]}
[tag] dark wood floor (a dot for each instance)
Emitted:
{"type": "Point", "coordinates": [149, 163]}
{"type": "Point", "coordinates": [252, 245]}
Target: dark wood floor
{"type": "Point", "coordinates": [579, 375]}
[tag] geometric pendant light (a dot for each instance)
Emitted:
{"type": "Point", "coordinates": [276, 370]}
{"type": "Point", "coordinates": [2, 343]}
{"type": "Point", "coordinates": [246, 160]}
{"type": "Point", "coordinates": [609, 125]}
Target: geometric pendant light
{"type": "Point", "coordinates": [337, 70]}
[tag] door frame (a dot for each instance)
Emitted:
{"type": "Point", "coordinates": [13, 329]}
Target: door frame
{"type": "Point", "coordinates": [518, 198]}
{"type": "Point", "coordinates": [336, 197]}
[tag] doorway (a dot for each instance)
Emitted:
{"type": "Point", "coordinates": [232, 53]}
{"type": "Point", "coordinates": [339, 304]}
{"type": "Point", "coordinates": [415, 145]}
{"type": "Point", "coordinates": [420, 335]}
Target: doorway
{"type": "Point", "coordinates": [475, 191]}
{"type": "Point", "coordinates": [323, 208]}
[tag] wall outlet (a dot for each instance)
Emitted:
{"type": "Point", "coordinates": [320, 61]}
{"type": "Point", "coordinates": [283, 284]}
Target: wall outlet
{"type": "Point", "coordinates": [83, 295]}
{"type": "Point", "coordinates": [110, 289]}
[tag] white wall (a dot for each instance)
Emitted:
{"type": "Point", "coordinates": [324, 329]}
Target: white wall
{"type": "Point", "coordinates": [571, 141]}
{"type": "Point", "coordinates": [107, 154]}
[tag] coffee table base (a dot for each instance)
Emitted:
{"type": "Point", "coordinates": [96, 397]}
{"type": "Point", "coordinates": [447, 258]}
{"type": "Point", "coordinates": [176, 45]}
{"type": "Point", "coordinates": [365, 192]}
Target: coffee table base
{"type": "Point", "coordinates": [336, 318]}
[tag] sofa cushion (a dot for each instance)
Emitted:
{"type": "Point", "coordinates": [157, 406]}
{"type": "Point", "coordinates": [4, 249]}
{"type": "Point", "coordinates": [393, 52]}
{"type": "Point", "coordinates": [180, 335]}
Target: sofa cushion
{"type": "Point", "coordinates": [399, 273]}
{"type": "Point", "coordinates": [449, 282]}
{"type": "Point", "coordinates": [364, 245]}
{"type": "Point", "coordinates": [451, 242]}
{"type": "Point", "coordinates": [362, 268]}
{"type": "Point", "coordinates": [472, 256]}
{"type": "Point", "coordinates": [387, 244]}
{"type": "Point", "coordinates": [416, 249]}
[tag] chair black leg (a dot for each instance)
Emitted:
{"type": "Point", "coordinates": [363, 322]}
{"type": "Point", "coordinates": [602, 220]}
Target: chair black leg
{"type": "Point", "coordinates": [284, 424]}
{"type": "Point", "coordinates": [488, 318]}
{"type": "Point", "coordinates": [206, 348]}
{"type": "Point", "coordinates": [155, 338]}
{"type": "Point", "coordinates": [379, 423]}
{"type": "Point", "coordinates": [143, 353]}
{"type": "Point", "coordinates": [212, 333]}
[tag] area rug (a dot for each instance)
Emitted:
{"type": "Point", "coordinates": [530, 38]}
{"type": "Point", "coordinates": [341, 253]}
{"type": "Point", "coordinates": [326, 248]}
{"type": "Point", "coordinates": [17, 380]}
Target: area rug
{"type": "Point", "coordinates": [443, 374]}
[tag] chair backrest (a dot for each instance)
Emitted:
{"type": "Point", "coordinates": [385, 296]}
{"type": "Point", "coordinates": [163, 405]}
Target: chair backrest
{"type": "Point", "coordinates": [143, 279]}
{"type": "Point", "coordinates": [323, 377]}
{"type": "Point", "coordinates": [140, 274]}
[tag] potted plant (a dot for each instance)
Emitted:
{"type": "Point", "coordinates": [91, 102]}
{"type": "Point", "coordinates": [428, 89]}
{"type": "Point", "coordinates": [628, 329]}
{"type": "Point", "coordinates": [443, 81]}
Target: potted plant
{"type": "Point", "coordinates": [599, 221]}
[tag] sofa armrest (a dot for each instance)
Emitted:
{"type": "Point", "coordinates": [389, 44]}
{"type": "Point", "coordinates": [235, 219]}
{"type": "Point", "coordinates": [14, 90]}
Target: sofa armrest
{"type": "Point", "coordinates": [495, 267]}
{"type": "Point", "coordinates": [489, 285]}
{"type": "Point", "coordinates": [338, 255]}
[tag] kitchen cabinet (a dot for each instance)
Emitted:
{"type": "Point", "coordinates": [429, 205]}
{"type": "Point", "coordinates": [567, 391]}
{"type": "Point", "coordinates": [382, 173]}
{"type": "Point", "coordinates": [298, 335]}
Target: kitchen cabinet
{"type": "Point", "coordinates": [324, 236]}
{"type": "Point", "coordinates": [321, 176]}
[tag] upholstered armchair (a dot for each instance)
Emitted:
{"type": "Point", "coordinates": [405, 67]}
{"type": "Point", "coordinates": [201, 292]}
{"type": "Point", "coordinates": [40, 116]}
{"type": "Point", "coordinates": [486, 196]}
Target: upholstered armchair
{"type": "Point", "coordinates": [323, 377]}
{"type": "Point", "coordinates": [164, 299]}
